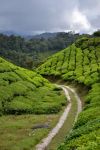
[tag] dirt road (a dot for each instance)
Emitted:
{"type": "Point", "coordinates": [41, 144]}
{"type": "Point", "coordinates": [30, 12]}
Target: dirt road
{"type": "Point", "coordinates": [45, 142]}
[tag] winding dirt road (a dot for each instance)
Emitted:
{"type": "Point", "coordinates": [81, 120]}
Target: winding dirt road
{"type": "Point", "coordinates": [46, 141]}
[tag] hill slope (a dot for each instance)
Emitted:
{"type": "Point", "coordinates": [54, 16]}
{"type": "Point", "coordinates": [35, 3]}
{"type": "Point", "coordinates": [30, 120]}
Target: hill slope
{"type": "Point", "coordinates": [80, 62]}
{"type": "Point", "coordinates": [24, 91]}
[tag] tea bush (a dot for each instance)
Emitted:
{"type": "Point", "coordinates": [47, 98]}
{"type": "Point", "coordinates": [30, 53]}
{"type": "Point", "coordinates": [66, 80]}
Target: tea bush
{"type": "Point", "coordinates": [25, 91]}
{"type": "Point", "coordinates": [81, 63]}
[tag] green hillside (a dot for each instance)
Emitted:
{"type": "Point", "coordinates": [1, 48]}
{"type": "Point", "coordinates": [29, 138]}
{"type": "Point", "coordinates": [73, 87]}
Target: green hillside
{"type": "Point", "coordinates": [24, 91]}
{"type": "Point", "coordinates": [80, 63]}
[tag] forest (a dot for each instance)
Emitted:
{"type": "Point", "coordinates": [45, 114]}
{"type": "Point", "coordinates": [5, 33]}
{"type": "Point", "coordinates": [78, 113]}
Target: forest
{"type": "Point", "coordinates": [29, 53]}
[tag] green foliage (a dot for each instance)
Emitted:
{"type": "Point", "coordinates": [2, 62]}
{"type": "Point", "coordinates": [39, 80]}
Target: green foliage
{"type": "Point", "coordinates": [81, 63]}
{"type": "Point", "coordinates": [97, 33]}
{"type": "Point", "coordinates": [76, 63]}
{"type": "Point", "coordinates": [31, 52]}
{"type": "Point", "coordinates": [25, 91]}
{"type": "Point", "coordinates": [81, 42]}
{"type": "Point", "coordinates": [86, 132]}
{"type": "Point", "coordinates": [85, 142]}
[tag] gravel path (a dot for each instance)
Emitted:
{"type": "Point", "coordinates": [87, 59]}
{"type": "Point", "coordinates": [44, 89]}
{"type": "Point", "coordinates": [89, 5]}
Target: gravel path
{"type": "Point", "coordinates": [45, 142]}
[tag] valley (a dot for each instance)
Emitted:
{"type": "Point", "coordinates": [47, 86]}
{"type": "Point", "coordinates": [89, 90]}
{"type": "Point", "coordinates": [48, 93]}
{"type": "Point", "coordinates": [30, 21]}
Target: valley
{"type": "Point", "coordinates": [49, 75]}
{"type": "Point", "coordinates": [36, 113]}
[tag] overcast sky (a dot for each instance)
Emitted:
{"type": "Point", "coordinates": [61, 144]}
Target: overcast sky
{"type": "Point", "coordinates": [36, 16]}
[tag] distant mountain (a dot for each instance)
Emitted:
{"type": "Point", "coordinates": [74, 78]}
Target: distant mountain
{"type": "Point", "coordinates": [8, 33]}
{"type": "Point", "coordinates": [46, 35]}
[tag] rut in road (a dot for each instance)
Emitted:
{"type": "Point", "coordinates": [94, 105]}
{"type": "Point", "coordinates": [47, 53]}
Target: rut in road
{"type": "Point", "coordinates": [46, 141]}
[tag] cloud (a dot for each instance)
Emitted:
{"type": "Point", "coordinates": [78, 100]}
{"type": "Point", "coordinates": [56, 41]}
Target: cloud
{"type": "Point", "coordinates": [79, 22]}
{"type": "Point", "coordinates": [34, 16]}
{"type": "Point", "coordinates": [91, 9]}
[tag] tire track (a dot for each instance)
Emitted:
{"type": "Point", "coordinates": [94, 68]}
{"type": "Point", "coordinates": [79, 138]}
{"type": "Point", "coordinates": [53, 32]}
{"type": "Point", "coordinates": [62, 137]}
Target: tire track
{"type": "Point", "coordinates": [46, 141]}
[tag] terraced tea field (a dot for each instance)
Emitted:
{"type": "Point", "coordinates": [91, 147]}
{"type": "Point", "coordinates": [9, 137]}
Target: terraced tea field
{"type": "Point", "coordinates": [80, 63]}
{"type": "Point", "coordinates": [27, 101]}
{"type": "Point", "coordinates": [23, 91]}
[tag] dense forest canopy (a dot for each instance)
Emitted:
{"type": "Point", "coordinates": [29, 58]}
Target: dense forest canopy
{"type": "Point", "coordinates": [97, 33]}
{"type": "Point", "coordinates": [29, 53]}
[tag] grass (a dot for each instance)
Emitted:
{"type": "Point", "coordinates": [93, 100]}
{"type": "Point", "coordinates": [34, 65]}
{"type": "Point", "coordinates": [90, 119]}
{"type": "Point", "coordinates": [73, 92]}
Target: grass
{"type": "Point", "coordinates": [16, 132]}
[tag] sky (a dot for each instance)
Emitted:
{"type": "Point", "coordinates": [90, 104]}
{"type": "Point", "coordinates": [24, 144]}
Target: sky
{"type": "Point", "coordinates": [37, 16]}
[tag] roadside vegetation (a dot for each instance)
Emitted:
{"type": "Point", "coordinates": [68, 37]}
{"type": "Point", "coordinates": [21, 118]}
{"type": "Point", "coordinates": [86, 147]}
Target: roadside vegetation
{"type": "Point", "coordinates": [80, 63]}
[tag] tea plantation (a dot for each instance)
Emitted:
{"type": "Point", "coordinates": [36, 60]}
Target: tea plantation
{"type": "Point", "coordinates": [23, 91]}
{"type": "Point", "coordinates": [80, 63]}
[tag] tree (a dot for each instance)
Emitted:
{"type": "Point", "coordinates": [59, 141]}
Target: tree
{"type": "Point", "coordinates": [97, 33]}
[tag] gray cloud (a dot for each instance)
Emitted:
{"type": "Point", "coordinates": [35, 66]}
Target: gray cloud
{"type": "Point", "coordinates": [91, 9]}
{"type": "Point", "coordinates": [29, 16]}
